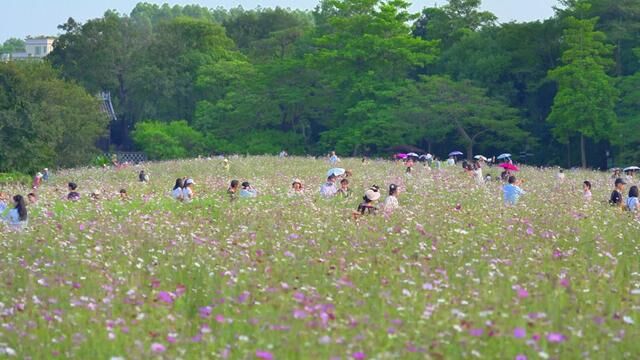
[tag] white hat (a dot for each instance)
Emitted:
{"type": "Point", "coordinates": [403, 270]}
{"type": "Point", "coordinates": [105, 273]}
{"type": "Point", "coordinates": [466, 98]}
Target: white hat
{"type": "Point", "coordinates": [372, 194]}
{"type": "Point", "coordinates": [189, 182]}
{"type": "Point", "coordinates": [39, 174]}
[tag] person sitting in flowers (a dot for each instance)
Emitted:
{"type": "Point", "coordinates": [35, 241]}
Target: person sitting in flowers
{"type": "Point", "coordinates": [248, 191]}
{"type": "Point", "coordinates": [512, 191]}
{"type": "Point", "coordinates": [233, 189]}
{"type": "Point", "coordinates": [176, 192]}
{"type": "Point", "coordinates": [329, 189]}
{"type": "Point", "coordinates": [73, 195]}
{"type": "Point", "coordinates": [391, 202]}
{"type": "Point", "coordinates": [344, 191]}
{"type": "Point", "coordinates": [367, 206]}
{"type": "Point", "coordinates": [616, 194]}
{"type": "Point", "coordinates": [187, 191]}
{"type": "Point", "coordinates": [586, 190]}
{"type": "Point", "coordinates": [632, 200]}
{"type": "Point", "coordinates": [17, 217]}
{"type": "Point", "coordinates": [297, 188]}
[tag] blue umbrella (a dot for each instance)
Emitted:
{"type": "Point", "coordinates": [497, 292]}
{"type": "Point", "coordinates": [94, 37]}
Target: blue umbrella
{"type": "Point", "coordinates": [504, 156]}
{"type": "Point", "coordinates": [336, 172]}
{"type": "Point", "coordinates": [455, 153]}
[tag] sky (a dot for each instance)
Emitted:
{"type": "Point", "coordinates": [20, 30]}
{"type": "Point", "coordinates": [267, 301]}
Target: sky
{"type": "Point", "coordinates": [19, 18]}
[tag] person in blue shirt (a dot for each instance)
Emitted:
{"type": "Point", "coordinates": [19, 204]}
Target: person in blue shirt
{"type": "Point", "coordinates": [248, 191]}
{"type": "Point", "coordinates": [512, 191]}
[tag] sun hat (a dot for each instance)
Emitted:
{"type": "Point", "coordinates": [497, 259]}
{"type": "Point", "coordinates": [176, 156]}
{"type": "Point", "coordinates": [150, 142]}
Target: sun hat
{"type": "Point", "coordinates": [296, 181]}
{"type": "Point", "coordinates": [189, 182]}
{"type": "Point", "coordinates": [372, 194]}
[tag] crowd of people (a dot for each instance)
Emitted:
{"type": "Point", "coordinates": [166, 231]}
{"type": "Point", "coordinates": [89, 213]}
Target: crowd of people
{"type": "Point", "coordinates": [13, 210]}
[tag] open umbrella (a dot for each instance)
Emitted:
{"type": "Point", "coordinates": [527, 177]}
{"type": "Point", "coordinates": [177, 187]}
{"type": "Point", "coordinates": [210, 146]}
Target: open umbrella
{"type": "Point", "coordinates": [401, 156]}
{"type": "Point", "coordinates": [480, 157]}
{"type": "Point", "coordinates": [426, 157]}
{"type": "Point", "coordinates": [509, 167]}
{"type": "Point", "coordinates": [631, 168]}
{"type": "Point", "coordinates": [412, 154]}
{"type": "Point", "coordinates": [504, 156]}
{"type": "Point", "coordinates": [455, 153]}
{"type": "Point", "coordinates": [336, 172]}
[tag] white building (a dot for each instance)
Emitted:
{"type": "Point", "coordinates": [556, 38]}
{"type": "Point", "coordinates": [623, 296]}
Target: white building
{"type": "Point", "coordinates": [35, 48]}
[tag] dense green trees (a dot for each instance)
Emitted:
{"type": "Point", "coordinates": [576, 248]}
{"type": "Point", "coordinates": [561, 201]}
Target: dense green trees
{"type": "Point", "coordinates": [45, 121]}
{"type": "Point", "coordinates": [365, 76]}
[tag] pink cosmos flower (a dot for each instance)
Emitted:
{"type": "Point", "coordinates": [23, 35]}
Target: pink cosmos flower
{"type": "Point", "coordinates": [521, 357]}
{"type": "Point", "coordinates": [555, 337]}
{"type": "Point", "coordinates": [158, 348]}
{"type": "Point", "coordinates": [165, 297]}
{"type": "Point", "coordinates": [264, 355]}
{"type": "Point", "coordinates": [359, 355]}
{"type": "Point", "coordinates": [519, 333]}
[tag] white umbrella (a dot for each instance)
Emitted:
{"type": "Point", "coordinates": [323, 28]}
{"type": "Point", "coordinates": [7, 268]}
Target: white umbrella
{"type": "Point", "coordinates": [480, 157]}
{"type": "Point", "coordinates": [413, 154]}
{"type": "Point", "coordinates": [336, 172]}
{"type": "Point", "coordinates": [631, 168]}
{"type": "Point", "coordinates": [504, 156]}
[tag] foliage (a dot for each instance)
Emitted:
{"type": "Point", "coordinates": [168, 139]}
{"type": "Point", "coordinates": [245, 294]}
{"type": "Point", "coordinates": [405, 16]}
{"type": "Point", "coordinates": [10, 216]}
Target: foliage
{"type": "Point", "coordinates": [44, 120]}
{"type": "Point", "coordinates": [12, 45]}
{"type": "Point", "coordinates": [586, 97]}
{"type": "Point", "coordinates": [14, 178]}
{"type": "Point", "coordinates": [172, 140]}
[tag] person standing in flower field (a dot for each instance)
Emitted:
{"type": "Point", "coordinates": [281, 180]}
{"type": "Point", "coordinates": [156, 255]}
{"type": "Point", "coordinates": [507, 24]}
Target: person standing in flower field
{"type": "Point", "coordinates": [45, 174]}
{"type": "Point", "coordinates": [512, 191]}
{"type": "Point", "coordinates": [391, 202]}
{"type": "Point", "coordinates": [37, 180]}
{"type": "Point", "coordinates": [333, 158]}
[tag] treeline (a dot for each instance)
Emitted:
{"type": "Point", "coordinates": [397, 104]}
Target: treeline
{"type": "Point", "coordinates": [365, 76]}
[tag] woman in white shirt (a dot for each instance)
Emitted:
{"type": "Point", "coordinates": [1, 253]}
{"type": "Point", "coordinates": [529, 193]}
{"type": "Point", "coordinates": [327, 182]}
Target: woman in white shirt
{"type": "Point", "coordinates": [391, 202]}
{"type": "Point", "coordinates": [17, 217]}
{"type": "Point", "coordinates": [176, 193]}
{"type": "Point", "coordinates": [187, 191]}
{"type": "Point", "coordinates": [632, 200]}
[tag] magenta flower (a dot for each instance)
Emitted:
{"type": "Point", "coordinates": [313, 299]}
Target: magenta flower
{"type": "Point", "coordinates": [476, 332]}
{"type": "Point", "coordinates": [519, 333]}
{"type": "Point", "coordinates": [523, 293]}
{"type": "Point", "coordinates": [358, 355]}
{"type": "Point", "coordinates": [264, 355]}
{"type": "Point", "coordinates": [205, 311]}
{"type": "Point", "coordinates": [521, 357]}
{"type": "Point", "coordinates": [158, 348]}
{"type": "Point", "coordinates": [220, 319]}
{"type": "Point", "coordinates": [564, 282]}
{"type": "Point", "coordinates": [165, 297]}
{"type": "Point", "coordinates": [555, 337]}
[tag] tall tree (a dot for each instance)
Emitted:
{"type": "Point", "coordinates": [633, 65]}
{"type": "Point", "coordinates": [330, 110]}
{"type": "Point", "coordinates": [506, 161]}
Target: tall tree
{"type": "Point", "coordinates": [44, 120]}
{"type": "Point", "coordinates": [586, 98]}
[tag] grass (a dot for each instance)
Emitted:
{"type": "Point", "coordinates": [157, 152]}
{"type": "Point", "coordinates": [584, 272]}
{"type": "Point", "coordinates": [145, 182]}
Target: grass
{"type": "Point", "coordinates": [298, 278]}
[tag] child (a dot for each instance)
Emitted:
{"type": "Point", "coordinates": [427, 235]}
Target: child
{"type": "Point", "coordinates": [143, 177]}
{"type": "Point", "coordinates": [512, 191]}
{"type": "Point", "coordinates": [232, 191]}
{"type": "Point", "coordinates": [296, 188]}
{"type": "Point", "coordinates": [344, 190]}
{"type": "Point", "coordinates": [176, 193]}
{"type": "Point", "coordinates": [586, 190]}
{"type": "Point", "coordinates": [368, 201]}
{"type": "Point", "coordinates": [32, 199]}
{"type": "Point", "coordinates": [37, 180]}
{"type": "Point", "coordinates": [248, 191]}
{"type": "Point", "coordinates": [123, 195]}
{"type": "Point", "coordinates": [632, 200]}
{"type": "Point", "coordinates": [616, 194]}
{"type": "Point", "coordinates": [45, 174]}
{"type": "Point", "coordinates": [73, 194]}
{"type": "Point", "coordinates": [391, 202]}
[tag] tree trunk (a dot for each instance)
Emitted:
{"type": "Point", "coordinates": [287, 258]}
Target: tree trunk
{"type": "Point", "coordinates": [583, 152]}
{"type": "Point", "coordinates": [569, 154]}
{"type": "Point", "coordinates": [470, 151]}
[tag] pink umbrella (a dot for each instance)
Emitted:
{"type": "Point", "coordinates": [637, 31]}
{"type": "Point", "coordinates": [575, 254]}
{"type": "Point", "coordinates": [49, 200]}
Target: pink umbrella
{"type": "Point", "coordinates": [401, 156]}
{"type": "Point", "coordinates": [509, 167]}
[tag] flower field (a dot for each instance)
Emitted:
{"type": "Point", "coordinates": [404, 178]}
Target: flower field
{"type": "Point", "coordinates": [452, 274]}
